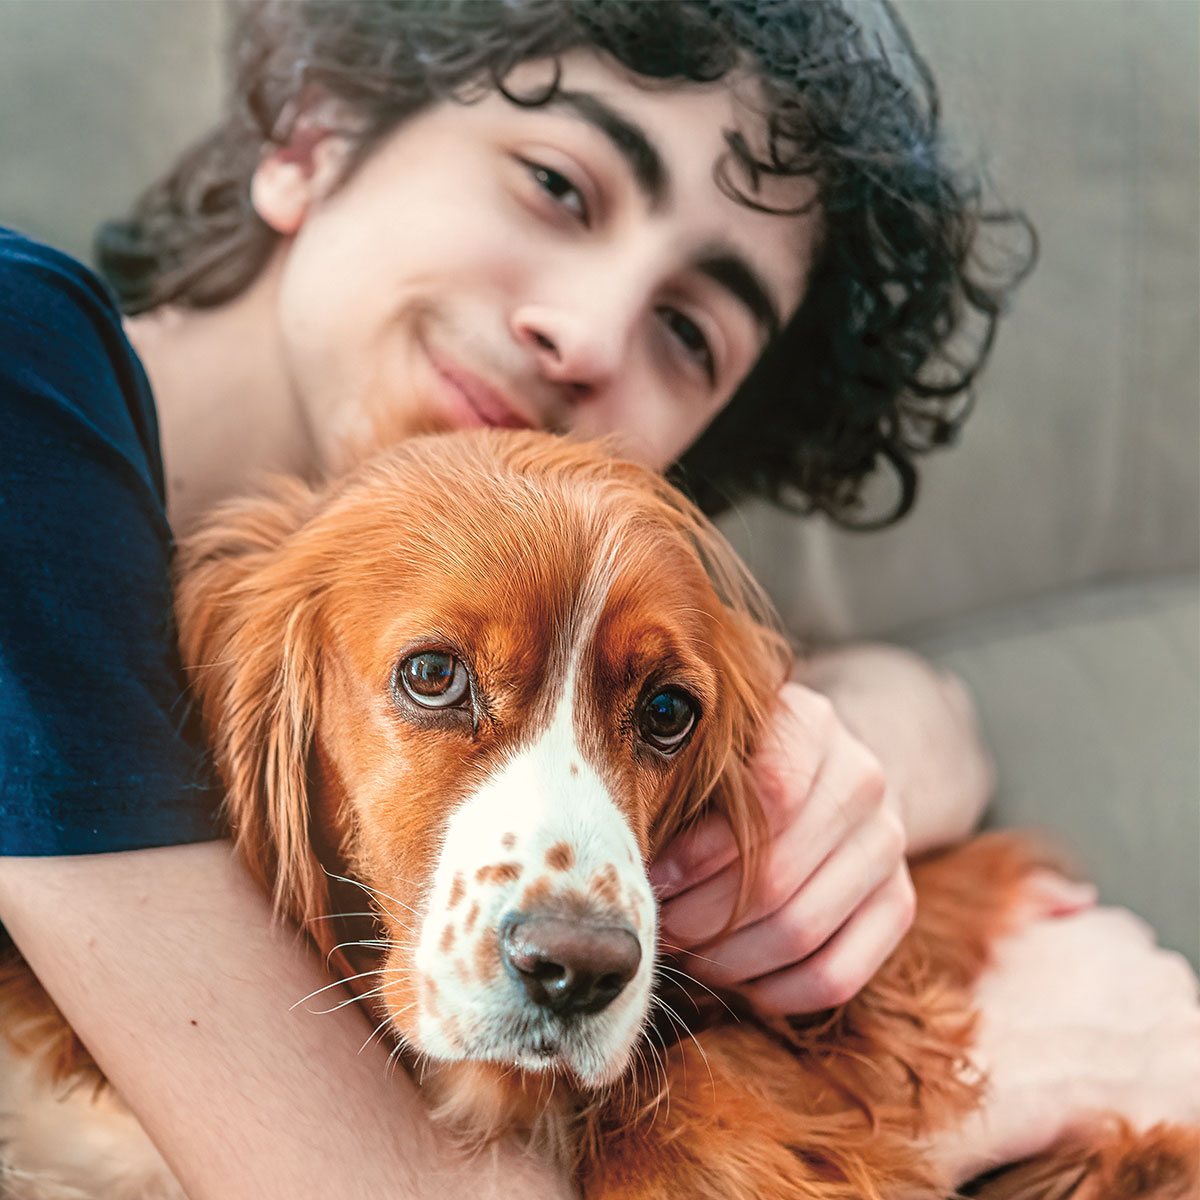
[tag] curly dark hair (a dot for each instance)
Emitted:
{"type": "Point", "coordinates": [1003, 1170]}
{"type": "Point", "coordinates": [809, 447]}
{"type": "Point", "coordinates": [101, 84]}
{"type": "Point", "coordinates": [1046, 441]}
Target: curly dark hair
{"type": "Point", "coordinates": [876, 366]}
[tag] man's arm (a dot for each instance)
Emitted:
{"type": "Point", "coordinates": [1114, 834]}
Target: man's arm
{"type": "Point", "coordinates": [920, 724]}
{"type": "Point", "coordinates": [169, 965]}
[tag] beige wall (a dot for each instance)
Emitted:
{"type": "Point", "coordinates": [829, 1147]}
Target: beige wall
{"type": "Point", "coordinates": [96, 96]}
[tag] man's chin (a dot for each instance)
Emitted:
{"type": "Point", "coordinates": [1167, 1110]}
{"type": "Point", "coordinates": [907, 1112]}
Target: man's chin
{"type": "Point", "coordinates": [387, 426]}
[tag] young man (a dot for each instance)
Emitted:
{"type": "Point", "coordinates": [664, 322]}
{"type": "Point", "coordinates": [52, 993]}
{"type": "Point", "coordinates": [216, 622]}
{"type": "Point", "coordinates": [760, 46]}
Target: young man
{"type": "Point", "coordinates": [640, 220]}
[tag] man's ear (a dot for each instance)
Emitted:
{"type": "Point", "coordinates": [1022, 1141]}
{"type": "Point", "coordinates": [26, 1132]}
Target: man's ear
{"type": "Point", "coordinates": [291, 178]}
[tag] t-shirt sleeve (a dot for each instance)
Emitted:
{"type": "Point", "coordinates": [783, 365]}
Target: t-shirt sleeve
{"type": "Point", "coordinates": [99, 748]}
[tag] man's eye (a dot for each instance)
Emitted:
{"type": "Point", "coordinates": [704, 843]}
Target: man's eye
{"type": "Point", "coordinates": [691, 337]}
{"type": "Point", "coordinates": [560, 189]}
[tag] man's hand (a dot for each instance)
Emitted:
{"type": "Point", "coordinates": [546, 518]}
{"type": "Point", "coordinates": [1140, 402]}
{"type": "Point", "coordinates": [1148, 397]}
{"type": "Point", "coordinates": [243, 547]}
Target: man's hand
{"type": "Point", "coordinates": [1079, 1014]}
{"type": "Point", "coordinates": [833, 896]}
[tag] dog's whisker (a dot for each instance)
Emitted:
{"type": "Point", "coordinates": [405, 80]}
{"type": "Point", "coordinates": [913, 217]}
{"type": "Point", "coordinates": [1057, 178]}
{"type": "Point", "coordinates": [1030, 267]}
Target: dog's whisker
{"type": "Point", "coordinates": [662, 1091]}
{"type": "Point", "coordinates": [372, 891]}
{"type": "Point", "coordinates": [357, 998]}
{"type": "Point", "coordinates": [335, 984]}
{"type": "Point", "coordinates": [365, 943]}
{"type": "Point", "coordinates": [387, 1020]}
{"type": "Point", "coordinates": [689, 953]}
{"type": "Point", "coordinates": [679, 1021]}
{"type": "Point", "coordinates": [338, 916]}
{"type": "Point", "coordinates": [692, 979]}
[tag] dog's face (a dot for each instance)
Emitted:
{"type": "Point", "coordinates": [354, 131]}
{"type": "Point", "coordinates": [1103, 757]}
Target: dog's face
{"type": "Point", "coordinates": [500, 676]}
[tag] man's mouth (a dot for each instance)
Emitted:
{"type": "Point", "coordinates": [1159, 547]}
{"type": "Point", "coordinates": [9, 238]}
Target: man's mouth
{"type": "Point", "coordinates": [474, 402]}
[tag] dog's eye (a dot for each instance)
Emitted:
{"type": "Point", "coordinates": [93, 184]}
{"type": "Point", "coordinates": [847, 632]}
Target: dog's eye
{"type": "Point", "coordinates": [434, 678]}
{"type": "Point", "coordinates": [666, 718]}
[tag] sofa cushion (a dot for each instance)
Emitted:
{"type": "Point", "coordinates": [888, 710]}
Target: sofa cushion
{"type": "Point", "coordinates": [1080, 459]}
{"type": "Point", "coordinates": [1090, 701]}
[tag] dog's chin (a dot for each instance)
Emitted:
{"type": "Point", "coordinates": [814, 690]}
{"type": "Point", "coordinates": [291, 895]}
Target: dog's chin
{"type": "Point", "coordinates": [478, 1101]}
{"type": "Point", "coordinates": [567, 1053]}
{"type": "Point", "coordinates": [582, 1067]}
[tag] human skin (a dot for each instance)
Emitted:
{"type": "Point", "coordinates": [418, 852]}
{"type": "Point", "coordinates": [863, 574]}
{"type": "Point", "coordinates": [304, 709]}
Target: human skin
{"type": "Point", "coordinates": [514, 246]}
{"type": "Point", "coordinates": [390, 306]}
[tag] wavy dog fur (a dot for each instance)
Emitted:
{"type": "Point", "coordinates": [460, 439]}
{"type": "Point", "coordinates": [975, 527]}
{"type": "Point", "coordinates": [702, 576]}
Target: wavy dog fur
{"type": "Point", "coordinates": [570, 587]}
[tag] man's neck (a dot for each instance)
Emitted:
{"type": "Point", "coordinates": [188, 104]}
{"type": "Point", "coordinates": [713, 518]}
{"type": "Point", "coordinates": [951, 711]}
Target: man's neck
{"type": "Point", "coordinates": [227, 414]}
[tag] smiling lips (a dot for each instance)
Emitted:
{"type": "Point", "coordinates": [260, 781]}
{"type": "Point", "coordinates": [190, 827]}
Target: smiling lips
{"type": "Point", "coordinates": [476, 402]}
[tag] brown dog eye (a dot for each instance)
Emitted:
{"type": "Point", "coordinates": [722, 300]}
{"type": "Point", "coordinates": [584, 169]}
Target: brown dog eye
{"type": "Point", "coordinates": [666, 718]}
{"type": "Point", "coordinates": [434, 678]}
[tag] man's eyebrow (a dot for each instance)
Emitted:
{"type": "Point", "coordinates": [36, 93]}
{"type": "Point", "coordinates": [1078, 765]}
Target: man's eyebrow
{"type": "Point", "coordinates": [731, 271]}
{"type": "Point", "coordinates": [726, 268]}
{"type": "Point", "coordinates": [629, 139]}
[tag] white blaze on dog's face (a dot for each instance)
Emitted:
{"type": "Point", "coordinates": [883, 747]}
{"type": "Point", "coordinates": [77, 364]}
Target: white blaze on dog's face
{"type": "Point", "coordinates": [542, 846]}
{"type": "Point", "coordinates": [517, 680]}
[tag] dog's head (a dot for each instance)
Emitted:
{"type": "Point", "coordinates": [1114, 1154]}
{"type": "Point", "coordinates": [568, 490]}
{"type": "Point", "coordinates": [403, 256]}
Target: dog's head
{"type": "Point", "coordinates": [488, 675]}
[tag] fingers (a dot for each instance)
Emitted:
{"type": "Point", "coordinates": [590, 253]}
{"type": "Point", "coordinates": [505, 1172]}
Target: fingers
{"type": "Point", "coordinates": [812, 769]}
{"type": "Point", "coordinates": [692, 858]}
{"type": "Point", "coordinates": [1049, 894]}
{"type": "Point", "coordinates": [844, 796]}
{"type": "Point", "coordinates": [838, 971]}
{"type": "Point", "coordinates": [832, 896]}
{"type": "Point", "coordinates": [792, 750]}
{"type": "Point", "coordinates": [781, 936]}
{"type": "Point", "coordinates": [795, 746]}
{"type": "Point", "coordinates": [1078, 1015]}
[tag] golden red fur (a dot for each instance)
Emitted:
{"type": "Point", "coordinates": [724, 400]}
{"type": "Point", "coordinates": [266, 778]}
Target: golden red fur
{"type": "Point", "coordinates": [552, 561]}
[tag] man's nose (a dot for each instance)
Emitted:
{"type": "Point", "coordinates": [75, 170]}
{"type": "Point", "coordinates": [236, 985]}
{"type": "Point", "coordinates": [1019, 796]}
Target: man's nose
{"type": "Point", "coordinates": [580, 348]}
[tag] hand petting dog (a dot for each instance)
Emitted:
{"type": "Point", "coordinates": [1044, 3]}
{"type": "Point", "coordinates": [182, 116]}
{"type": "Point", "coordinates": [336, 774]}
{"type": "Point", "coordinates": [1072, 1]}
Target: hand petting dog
{"type": "Point", "coordinates": [875, 757]}
{"type": "Point", "coordinates": [834, 895]}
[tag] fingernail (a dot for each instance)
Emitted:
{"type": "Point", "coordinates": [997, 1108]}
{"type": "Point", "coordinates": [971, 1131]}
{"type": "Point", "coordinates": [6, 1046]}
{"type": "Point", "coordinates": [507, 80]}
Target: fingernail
{"type": "Point", "coordinates": [1083, 894]}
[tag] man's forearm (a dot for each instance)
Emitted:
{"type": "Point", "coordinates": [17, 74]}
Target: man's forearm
{"type": "Point", "coordinates": [920, 723]}
{"type": "Point", "coordinates": [170, 967]}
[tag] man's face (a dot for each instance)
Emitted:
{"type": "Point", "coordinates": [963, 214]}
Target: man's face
{"type": "Point", "coordinates": [571, 267]}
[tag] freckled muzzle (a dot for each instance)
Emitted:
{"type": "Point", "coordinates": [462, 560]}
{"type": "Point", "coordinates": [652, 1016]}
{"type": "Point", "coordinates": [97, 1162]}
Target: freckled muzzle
{"type": "Point", "coordinates": [537, 948]}
{"type": "Point", "coordinates": [572, 966]}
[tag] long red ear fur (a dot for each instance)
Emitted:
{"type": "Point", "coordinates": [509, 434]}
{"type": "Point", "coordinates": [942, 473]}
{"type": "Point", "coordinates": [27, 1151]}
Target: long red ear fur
{"type": "Point", "coordinates": [246, 614]}
{"type": "Point", "coordinates": [753, 658]}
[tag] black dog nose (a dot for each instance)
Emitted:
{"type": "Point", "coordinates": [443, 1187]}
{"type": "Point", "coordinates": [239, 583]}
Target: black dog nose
{"type": "Point", "coordinates": [570, 965]}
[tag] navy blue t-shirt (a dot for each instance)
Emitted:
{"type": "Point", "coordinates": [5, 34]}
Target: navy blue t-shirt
{"type": "Point", "coordinates": [98, 748]}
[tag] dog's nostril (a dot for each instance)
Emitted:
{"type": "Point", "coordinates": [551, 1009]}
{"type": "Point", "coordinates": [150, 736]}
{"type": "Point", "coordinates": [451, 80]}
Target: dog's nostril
{"type": "Point", "coordinates": [548, 973]}
{"type": "Point", "coordinates": [570, 965]}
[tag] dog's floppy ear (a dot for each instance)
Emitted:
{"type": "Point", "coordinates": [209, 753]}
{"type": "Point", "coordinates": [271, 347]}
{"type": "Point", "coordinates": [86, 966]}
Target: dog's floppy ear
{"type": "Point", "coordinates": [754, 661]}
{"type": "Point", "coordinates": [753, 658]}
{"type": "Point", "coordinates": [247, 617]}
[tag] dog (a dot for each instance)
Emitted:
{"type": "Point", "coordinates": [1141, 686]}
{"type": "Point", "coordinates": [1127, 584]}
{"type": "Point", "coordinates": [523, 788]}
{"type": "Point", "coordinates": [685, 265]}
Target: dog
{"type": "Point", "coordinates": [480, 682]}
